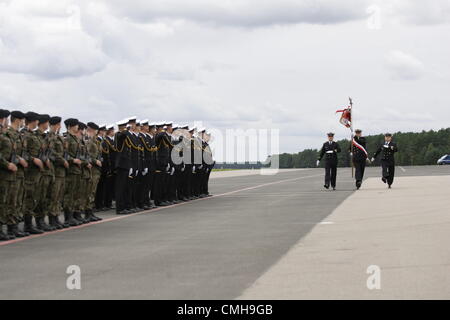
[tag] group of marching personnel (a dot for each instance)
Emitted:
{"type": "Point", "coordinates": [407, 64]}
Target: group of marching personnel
{"type": "Point", "coordinates": [92, 168]}
{"type": "Point", "coordinates": [360, 157]}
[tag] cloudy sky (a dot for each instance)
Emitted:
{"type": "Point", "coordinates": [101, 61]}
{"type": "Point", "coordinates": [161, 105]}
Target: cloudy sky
{"type": "Point", "coordinates": [286, 64]}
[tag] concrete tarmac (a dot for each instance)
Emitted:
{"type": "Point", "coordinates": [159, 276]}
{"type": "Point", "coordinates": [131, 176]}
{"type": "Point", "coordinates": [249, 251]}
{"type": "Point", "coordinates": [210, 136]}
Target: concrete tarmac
{"type": "Point", "coordinates": [212, 248]}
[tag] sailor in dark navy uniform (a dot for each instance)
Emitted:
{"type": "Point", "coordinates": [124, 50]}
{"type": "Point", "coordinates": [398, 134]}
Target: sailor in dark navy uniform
{"type": "Point", "coordinates": [359, 156]}
{"type": "Point", "coordinates": [123, 167]}
{"type": "Point", "coordinates": [330, 149]}
{"type": "Point", "coordinates": [387, 149]}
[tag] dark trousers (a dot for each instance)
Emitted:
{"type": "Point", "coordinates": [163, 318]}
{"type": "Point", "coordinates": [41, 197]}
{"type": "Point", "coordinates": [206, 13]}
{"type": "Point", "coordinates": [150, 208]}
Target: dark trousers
{"type": "Point", "coordinates": [388, 171]}
{"type": "Point", "coordinates": [110, 189]}
{"type": "Point", "coordinates": [187, 181]}
{"type": "Point", "coordinates": [146, 188]}
{"type": "Point", "coordinates": [330, 173]}
{"type": "Point", "coordinates": [360, 166]}
{"type": "Point", "coordinates": [160, 186]}
{"type": "Point", "coordinates": [121, 186]}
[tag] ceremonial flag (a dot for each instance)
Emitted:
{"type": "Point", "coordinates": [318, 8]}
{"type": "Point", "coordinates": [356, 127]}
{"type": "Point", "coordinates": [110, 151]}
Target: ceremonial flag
{"type": "Point", "coordinates": [346, 117]}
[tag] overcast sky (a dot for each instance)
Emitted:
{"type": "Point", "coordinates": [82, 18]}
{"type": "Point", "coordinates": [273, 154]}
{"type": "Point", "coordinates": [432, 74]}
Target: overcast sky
{"type": "Point", "coordinates": [287, 64]}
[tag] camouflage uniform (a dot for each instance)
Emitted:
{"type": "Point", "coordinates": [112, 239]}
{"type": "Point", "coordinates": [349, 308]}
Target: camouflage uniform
{"type": "Point", "coordinates": [33, 147]}
{"type": "Point", "coordinates": [94, 154]}
{"type": "Point", "coordinates": [73, 177]}
{"type": "Point", "coordinates": [57, 157]}
{"type": "Point", "coordinates": [47, 178]}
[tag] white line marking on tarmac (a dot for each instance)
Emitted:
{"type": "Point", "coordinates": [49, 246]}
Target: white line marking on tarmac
{"type": "Point", "coordinates": [154, 210]}
{"type": "Point", "coordinates": [403, 169]}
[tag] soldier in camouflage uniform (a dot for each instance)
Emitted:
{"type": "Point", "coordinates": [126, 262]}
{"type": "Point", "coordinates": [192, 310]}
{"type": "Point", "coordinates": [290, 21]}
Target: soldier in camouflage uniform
{"type": "Point", "coordinates": [95, 159]}
{"type": "Point", "coordinates": [59, 164]}
{"type": "Point", "coordinates": [82, 196]}
{"type": "Point", "coordinates": [73, 177]}
{"type": "Point", "coordinates": [14, 195]}
{"type": "Point", "coordinates": [43, 204]}
{"type": "Point", "coordinates": [7, 169]}
{"type": "Point", "coordinates": [33, 147]}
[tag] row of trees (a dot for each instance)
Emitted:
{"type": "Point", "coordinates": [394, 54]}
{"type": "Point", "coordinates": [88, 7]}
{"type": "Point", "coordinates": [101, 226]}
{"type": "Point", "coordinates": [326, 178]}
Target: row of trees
{"type": "Point", "coordinates": [415, 148]}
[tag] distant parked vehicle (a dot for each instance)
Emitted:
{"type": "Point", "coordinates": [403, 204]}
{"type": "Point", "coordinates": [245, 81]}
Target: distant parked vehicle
{"type": "Point", "coordinates": [444, 160]}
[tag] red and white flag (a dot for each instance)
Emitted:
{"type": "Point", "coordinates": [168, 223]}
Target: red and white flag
{"type": "Point", "coordinates": [346, 117]}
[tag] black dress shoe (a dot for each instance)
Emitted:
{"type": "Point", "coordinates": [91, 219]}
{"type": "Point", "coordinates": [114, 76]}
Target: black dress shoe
{"type": "Point", "coordinates": [326, 186]}
{"type": "Point", "coordinates": [384, 179]}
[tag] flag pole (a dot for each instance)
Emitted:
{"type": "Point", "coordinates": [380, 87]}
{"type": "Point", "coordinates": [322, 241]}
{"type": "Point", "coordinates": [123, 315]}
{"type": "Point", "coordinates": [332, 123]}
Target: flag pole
{"type": "Point", "coordinates": [351, 136]}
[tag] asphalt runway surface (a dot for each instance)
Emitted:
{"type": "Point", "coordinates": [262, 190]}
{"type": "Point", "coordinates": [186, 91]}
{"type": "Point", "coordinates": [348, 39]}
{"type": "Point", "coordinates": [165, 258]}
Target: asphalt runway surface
{"type": "Point", "coordinates": [211, 248]}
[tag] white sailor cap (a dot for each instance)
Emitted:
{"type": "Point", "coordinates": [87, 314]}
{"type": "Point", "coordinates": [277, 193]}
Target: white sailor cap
{"type": "Point", "coordinates": [192, 129]}
{"type": "Point", "coordinates": [202, 129]}
{"type": "Point", "coordinates": [122, 122]}
{"type": "Point", "coordinates": [144, 122]}
{"type": "Point", "coordinates": [132, 119]}
{"type": "Point", "coordinates": [175, 126]}
{"type": "Point", "coordinates": [168, 123]}
{"type": "Point", "coordinates": [160, 124]}
{"type": "Point", "coordinates": [109, 127]}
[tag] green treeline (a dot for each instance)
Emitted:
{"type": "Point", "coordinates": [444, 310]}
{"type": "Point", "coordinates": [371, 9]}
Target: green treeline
{"type": "Point", "coordinates": [415, 148]}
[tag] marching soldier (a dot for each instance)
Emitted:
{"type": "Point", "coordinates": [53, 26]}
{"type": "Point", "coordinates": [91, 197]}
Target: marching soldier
{"type": "Point", "coordinates": [330, 149]}
{"type": "Point", "coordinates": [387, 150]}
{"type": "Point", "coordinates": [360, 156]}
{"type": "Point", "coordinates": [59, 165]}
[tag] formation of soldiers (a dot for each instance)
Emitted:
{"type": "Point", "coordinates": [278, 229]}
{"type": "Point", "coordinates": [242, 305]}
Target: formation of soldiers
{"type": "Point", "coordinates": [45, 174]}
{"type": "Point", "coordinates": [360, 158]}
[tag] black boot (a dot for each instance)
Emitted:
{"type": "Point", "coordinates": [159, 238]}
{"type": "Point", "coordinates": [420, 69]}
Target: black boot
{"type": "Point", "coordinates": [40, 224]}
{"type": "Point", "coordinates": [77, 217]}
{"type": "Point", "coordinates": [69, 220]}
{"type": "Point", "coordinates": [88, 216]}
{"type": "Point", "coordinates": [61, 224]}
{"type": "Point", "coordinates": [28, 226]}
{"type": "Point", "coordinates": [53, 223]}
{"type": "Point", "coordinates": [3, 236]}
{"type": "Point", "coordinates": [92, 216]}
{"type": "Point", "coordinates": [13, 230]}
{"type": "Point", "coordinates": [18, 231]}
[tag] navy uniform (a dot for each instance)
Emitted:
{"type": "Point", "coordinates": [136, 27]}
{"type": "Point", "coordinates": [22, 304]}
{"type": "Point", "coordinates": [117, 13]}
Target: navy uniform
{"type": "Point", "coordinates": [110, 154]}
{"type": "Point", "coordinates": [387, 151]}
{"type": "Point", "coordinates": [163, 144]}
{"type": "Point", "coordinates": [122, 166]}
{"type": "Point", "coordinates": [208, 162]}
{"type": "Point", "coordinates": [330, 149]}
{"type": "Point", "coordinates": [359, 157]}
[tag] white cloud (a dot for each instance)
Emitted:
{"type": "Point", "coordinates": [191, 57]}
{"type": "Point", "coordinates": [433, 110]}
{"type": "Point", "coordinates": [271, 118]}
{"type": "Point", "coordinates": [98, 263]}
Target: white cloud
{"type": "Point", "coordinates": [403, 66]}
{"type": "Point", "coordinates": [244, 13]}
{"type": "Point", "coordinates": [46, 46]}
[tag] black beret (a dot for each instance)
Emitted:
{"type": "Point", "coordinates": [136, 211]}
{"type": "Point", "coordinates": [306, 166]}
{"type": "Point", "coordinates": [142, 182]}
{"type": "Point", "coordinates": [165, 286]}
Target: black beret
{"type": "Point", "coordinates": [43, 118]}
{"type": "Point", "coordinates": [17, 115]}
{"type": "Point", "coordinates": [330, 134]}
{"type": "Point", "coordinates": [387, 134]}
{"type": "Point", "coordinates": [31, 116]}
{"type": "Point", "coordinates": [81, 126]}
{"type": "Point", "coordinates": [358, 130]}
{"type": "Point", "coordinates": [55, 120]}
{"type": "Point", "coordinates": [92, 125]}
{"type": "Point", "coordinates": [4, 113]}
{"type": "Point", "coordinates": [71, 122]}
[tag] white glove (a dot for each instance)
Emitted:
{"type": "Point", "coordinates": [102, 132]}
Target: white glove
{"type": "Point", "coordinates": [168, 167]}
{"type": "Point", "coordinates": [136, 173]}
{"type": "Point", "coordinates": [193, 169]}
{"type": "Point", "coordinates": [131, 172]}
{"type": "Point", "coordinates": [201, 166]}
{"type": "Point", "coordinates": [145, 172]}
{"type": "Point", "coordinates": [317, 163]}
{"type": "Point", "coordinates": [172, 171]}
{"type": "Point", "coordinates": [373, 159]}
{"type": "Point", "coordinates": [182, 168]}
{"type": "Point", "coordinates": [351, 154]}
